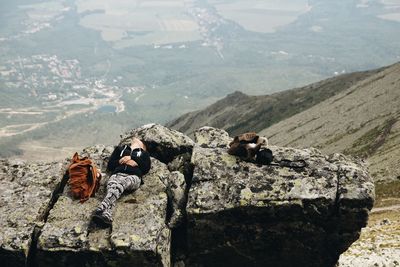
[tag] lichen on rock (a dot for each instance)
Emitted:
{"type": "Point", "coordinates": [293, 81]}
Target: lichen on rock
{"type": "Point", "coordinates": [243, 214]}
{"type": "Point", "coordinates": [211, 137]}
{"type": "Point", "coordinates": [138, 237]}
{"type": "Point", "coordinates": [198, 206]}
{"type": "Point", "coordinates": [25, 194]}
{"type": "Point", "coordinates": [162, 143]}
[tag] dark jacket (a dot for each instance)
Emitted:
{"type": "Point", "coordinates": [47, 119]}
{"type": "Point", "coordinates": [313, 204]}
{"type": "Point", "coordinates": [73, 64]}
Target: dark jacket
{"type": "Point", "coordinates": [141, 157]}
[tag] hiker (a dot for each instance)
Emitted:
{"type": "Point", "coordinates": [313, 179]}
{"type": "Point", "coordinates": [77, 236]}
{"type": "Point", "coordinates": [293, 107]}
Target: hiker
{"type": "Point", "coordinates": [127, 164]}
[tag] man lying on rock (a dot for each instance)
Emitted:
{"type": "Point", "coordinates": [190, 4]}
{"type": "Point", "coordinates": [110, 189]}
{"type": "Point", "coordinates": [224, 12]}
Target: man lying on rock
{"type": "Point", "coordinates": [128, 163]}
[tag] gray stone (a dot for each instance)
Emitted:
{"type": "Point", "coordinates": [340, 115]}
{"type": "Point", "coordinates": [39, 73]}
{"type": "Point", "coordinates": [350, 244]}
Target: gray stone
{"type": "Point", "coordinates": [212, 137]}
{"type": "Point", "coordinates": [221, 211]}
{"type": "Point", "coordinates": [181, 163]}
{"type": "Point", "coordinates": [25, 193]}
{"type": "Point", "coordinates": [138, 237]}
{"type": "Point", "coordinates": [162, 143]}
{"type": "Point", "coordinates": [356, 194]}
{"type": "Point", "coordinates": [241, 214]}
{"type": "Point", "coordinates": [176, 190]}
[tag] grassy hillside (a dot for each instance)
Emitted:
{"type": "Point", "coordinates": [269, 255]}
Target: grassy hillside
{"type": "Point", "coordinates": [362, 120]}
{"type": "Point", "coordinates": [239, 112]}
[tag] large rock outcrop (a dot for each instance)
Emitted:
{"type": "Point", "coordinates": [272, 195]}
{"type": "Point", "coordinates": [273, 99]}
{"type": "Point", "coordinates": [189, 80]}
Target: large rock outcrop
{"type": "Point", "coordinates": [26, 191]}
{"type": "Point", "coordinates": [139, 235]}
{"type": "Point", "coordinates": [241, 214]}
{"type": "Point", "coordinates": [198, 206]}
{"type": "Point", "coordinates": [164, 144]}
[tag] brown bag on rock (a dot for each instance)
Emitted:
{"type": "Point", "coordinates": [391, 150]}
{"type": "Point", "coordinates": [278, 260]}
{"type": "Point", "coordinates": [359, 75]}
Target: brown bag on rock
{"type": "Point", "coordinates": [83, 178]}
{"type": "Point", "coordinates": [250, 137]}
{"type": "Point", "coordinates": [246, 145]}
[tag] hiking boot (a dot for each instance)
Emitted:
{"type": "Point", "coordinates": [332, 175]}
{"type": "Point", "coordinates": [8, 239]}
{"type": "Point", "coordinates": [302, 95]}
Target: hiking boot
{"type": "Point", "coordinates": [97, 211]}
{"type": "Point", "coordinates": [101, 218]}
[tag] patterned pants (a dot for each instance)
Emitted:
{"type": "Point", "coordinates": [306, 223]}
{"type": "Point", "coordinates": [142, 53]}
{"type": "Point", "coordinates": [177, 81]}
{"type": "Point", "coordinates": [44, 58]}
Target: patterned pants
{"type": "Point", "coordinates": [116, 185]}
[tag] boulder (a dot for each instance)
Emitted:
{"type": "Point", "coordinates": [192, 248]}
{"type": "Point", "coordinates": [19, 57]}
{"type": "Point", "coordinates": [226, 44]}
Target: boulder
{"type": "Point", "coordinates": [198, 206]}
{"type": "Point", "coordinates": [355, 197]}
{"type": "Point", "coordinates": [138, 237]}
{"type": "Point", "coordinates": [163, 143]}
{"type": "Point", "coordinates": [181, 163]}
{"type": "Point", "coordinates": [211, 137]}
{"type": "Point", "coordinates": [177, 195]}
{"type": "Point", "coordinates": [25, 195]}
{"type": "Point", "coordinates": [243, 214]}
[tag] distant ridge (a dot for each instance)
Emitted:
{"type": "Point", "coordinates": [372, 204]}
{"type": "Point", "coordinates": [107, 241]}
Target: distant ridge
{"type": "Point", "coordinates": [239, 112]}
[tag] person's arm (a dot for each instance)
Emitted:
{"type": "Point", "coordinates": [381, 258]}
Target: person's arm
{"type": "Point", "coordinates": [125, 160]}
{"type": "Point", "coordinates": [113, 161]}
{"type": "Point", "coordinates": [131, 163]}
{"type": "Point", "coordinates": [144, 162]}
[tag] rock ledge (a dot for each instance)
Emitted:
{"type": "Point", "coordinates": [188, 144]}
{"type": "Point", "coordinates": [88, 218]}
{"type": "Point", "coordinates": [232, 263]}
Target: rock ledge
{"type": "Point", "coordinates": [198, 206]}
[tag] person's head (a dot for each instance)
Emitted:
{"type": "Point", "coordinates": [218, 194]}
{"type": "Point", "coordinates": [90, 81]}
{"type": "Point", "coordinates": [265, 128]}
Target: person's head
{"type": "Point", "coordinates": [137, 143]}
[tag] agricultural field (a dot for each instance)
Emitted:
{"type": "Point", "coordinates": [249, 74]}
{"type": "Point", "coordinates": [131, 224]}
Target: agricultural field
{"type": "Point", "coordinates": [262, 16]}
{"type": "Point", "coordinates": [131, 23]}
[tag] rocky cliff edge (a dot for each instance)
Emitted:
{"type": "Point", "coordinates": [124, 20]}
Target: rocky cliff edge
{"type": "Point", "coordinates": [198, 206]}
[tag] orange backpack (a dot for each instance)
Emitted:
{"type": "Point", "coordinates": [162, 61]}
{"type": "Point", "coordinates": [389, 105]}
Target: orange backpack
{"type": "Point", "coordinates": [83, 179]}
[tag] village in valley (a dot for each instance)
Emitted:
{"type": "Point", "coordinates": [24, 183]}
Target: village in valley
{"type": "Point", "coordinates": [57, 86]}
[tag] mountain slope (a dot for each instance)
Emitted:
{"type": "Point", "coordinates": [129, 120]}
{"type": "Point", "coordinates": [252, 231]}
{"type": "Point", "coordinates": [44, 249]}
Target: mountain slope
{"type": "Point", "coordinates": [239, 112]}
{"type": "Point", "coordinates": [357, 114]}
{"type": "Point", "coordinates": [363, 120]}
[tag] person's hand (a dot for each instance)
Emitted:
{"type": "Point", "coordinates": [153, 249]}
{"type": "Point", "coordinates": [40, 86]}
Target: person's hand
{"type": "Point", "coordinates": [131, 163]}
{"type": "Point", "coordinates": [124, 160]}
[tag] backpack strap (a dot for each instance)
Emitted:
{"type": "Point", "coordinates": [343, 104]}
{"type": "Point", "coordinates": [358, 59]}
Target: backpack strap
{"type": "Point", "coordinates": [294, 164]}
{"type": "Point", "coordinates": [93, 178]}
